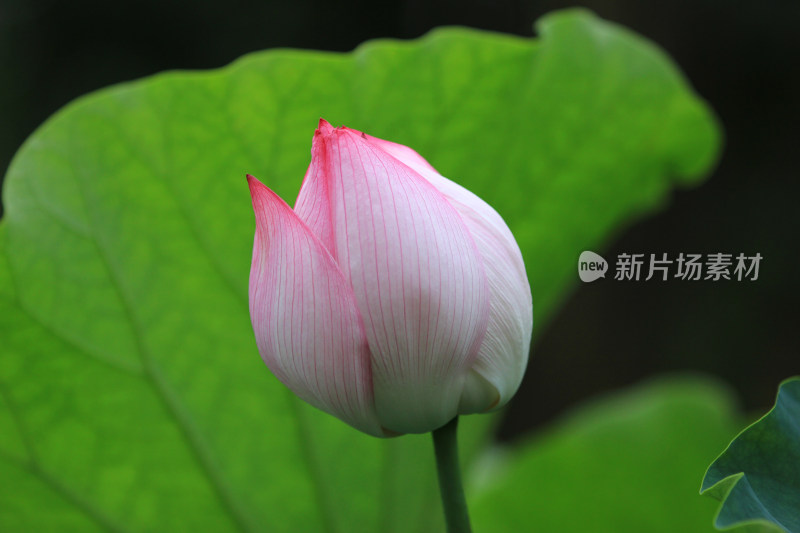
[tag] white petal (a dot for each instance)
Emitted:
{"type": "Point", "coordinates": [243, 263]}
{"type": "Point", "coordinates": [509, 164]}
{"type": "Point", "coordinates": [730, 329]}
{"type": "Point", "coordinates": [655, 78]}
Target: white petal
{"type": "Point", "coordinates": [307, 325]}
{"type": "Point", "coordinates": [503, 355]}
{"type": "Point", "coordinates": [414, 268]}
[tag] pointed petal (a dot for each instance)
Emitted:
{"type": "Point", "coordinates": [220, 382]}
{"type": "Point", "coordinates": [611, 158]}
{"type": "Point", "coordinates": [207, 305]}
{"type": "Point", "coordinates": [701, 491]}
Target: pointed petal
{"type": "Point", "coordinates": [414, 268]}
{"type": "Point", "coordinates": [504, 354]}
{"type": "Point", "coordinates": [324, 126]}
{"type": "Point", "coordinates": [307, 326]}
{"type": "Point", "coordinates": [313, 204]}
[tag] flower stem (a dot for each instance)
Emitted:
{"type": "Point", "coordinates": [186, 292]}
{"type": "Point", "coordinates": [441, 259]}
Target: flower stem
{"type": "Point", "coordinates": [445, 446]}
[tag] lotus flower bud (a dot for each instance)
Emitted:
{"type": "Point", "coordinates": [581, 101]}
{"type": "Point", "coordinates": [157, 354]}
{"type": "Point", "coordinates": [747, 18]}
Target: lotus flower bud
{"type": "Point", "coordinates": [389, 297]}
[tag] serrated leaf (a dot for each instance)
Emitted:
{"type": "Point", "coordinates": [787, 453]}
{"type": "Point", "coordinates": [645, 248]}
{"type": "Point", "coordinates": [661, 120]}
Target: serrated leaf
{"type": "Point", "coordinates": [627, 463]}
{"type": "Point", "coordinates": [757, 477]}
{"type": "Point", "coordinates": [133, 397]}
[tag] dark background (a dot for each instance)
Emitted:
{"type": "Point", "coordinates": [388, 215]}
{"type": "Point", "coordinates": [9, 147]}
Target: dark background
{"type": "Point", "coordinates": [743, 57]}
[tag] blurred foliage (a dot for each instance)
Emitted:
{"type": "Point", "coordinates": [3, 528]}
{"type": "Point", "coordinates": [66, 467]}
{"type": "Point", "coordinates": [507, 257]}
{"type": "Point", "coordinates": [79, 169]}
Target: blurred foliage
{"type": "Point", "coordinates": [758, 475]}
{"type": "Point", "coordinates": [132, 396]}
{"type": "Point", "coordinates": [628, 463]}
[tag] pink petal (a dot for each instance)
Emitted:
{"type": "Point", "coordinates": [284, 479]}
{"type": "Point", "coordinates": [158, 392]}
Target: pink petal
{"type": "Point", "coordinates": [414, 268]}
{"type": "Point", "coordinates": [503, 355]}
{"type": "Point", "coordinates": [307, 326]}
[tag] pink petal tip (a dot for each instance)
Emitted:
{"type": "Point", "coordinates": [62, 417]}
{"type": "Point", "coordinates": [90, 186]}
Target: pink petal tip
{"type": "Point", "coordinates": [324, 127]}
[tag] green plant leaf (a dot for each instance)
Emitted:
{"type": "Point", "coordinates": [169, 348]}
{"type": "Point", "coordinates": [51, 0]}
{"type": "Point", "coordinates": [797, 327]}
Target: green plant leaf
{"type": "Point", "coordinates": [627, 463]}
{"type": "Point", "coordinates": [133, 397]}
{"type": "Point", "coordinates": [757, 477]}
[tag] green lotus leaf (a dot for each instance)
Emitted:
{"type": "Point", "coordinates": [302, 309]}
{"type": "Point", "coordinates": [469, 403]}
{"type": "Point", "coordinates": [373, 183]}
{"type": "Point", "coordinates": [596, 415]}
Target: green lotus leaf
{"type": "Point", "coordinates": [132, 396]}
